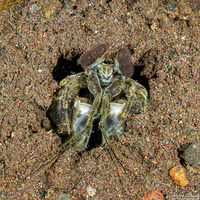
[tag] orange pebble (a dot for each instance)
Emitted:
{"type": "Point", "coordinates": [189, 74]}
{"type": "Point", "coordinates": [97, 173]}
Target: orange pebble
{"type": "Point", "coordinates": [154, 162]}
{"type": "Point", "coordinates": [178, 175]}
{"type": "Point", "coordinates": [154, 195]}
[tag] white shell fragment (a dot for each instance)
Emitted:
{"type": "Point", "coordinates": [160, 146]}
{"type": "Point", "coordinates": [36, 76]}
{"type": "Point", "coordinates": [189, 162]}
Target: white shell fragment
{"type": "Point", "coordinates": [91, 191]}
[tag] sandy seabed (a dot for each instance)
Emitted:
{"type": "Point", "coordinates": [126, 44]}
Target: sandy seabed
{"type": "Point", "coordinates": [40, 42]}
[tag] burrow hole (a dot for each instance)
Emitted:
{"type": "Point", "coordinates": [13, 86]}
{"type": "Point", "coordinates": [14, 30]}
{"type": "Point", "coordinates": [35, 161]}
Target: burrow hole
{"type": "Point", "coordinates": [66, 67]}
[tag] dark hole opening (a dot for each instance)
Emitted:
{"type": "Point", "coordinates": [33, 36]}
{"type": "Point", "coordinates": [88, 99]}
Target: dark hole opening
{"type": "Point", "coordinates": [143, 80]}
{"type": "Point", "coordinates": [66, 67]}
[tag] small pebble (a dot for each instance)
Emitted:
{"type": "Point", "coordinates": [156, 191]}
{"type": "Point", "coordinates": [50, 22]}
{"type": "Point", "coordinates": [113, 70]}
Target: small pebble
{"type": "Point", "coordinates": [34, 8]}
{"type": "Point", "coordinates": [153, 26]}
{"type": "Point", "coordinates": [91, 191]}
{"type": "Point", "coordinates": [191, 154]}
{"type": "Point", "coordinates": [178, 175]}
{"type": "Point", "coordinates": [154, 195]}
{"type": "Point", "coordinates": [25, 195]}
{"type": "Point", "coordinates": [62, 196]}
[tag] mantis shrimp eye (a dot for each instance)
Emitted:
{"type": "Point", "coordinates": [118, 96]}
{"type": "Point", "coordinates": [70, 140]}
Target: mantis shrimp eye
{"type": "Point", "coordinates": [125, 62]}
{"type": "Point", "coordinates": [94, 53]}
